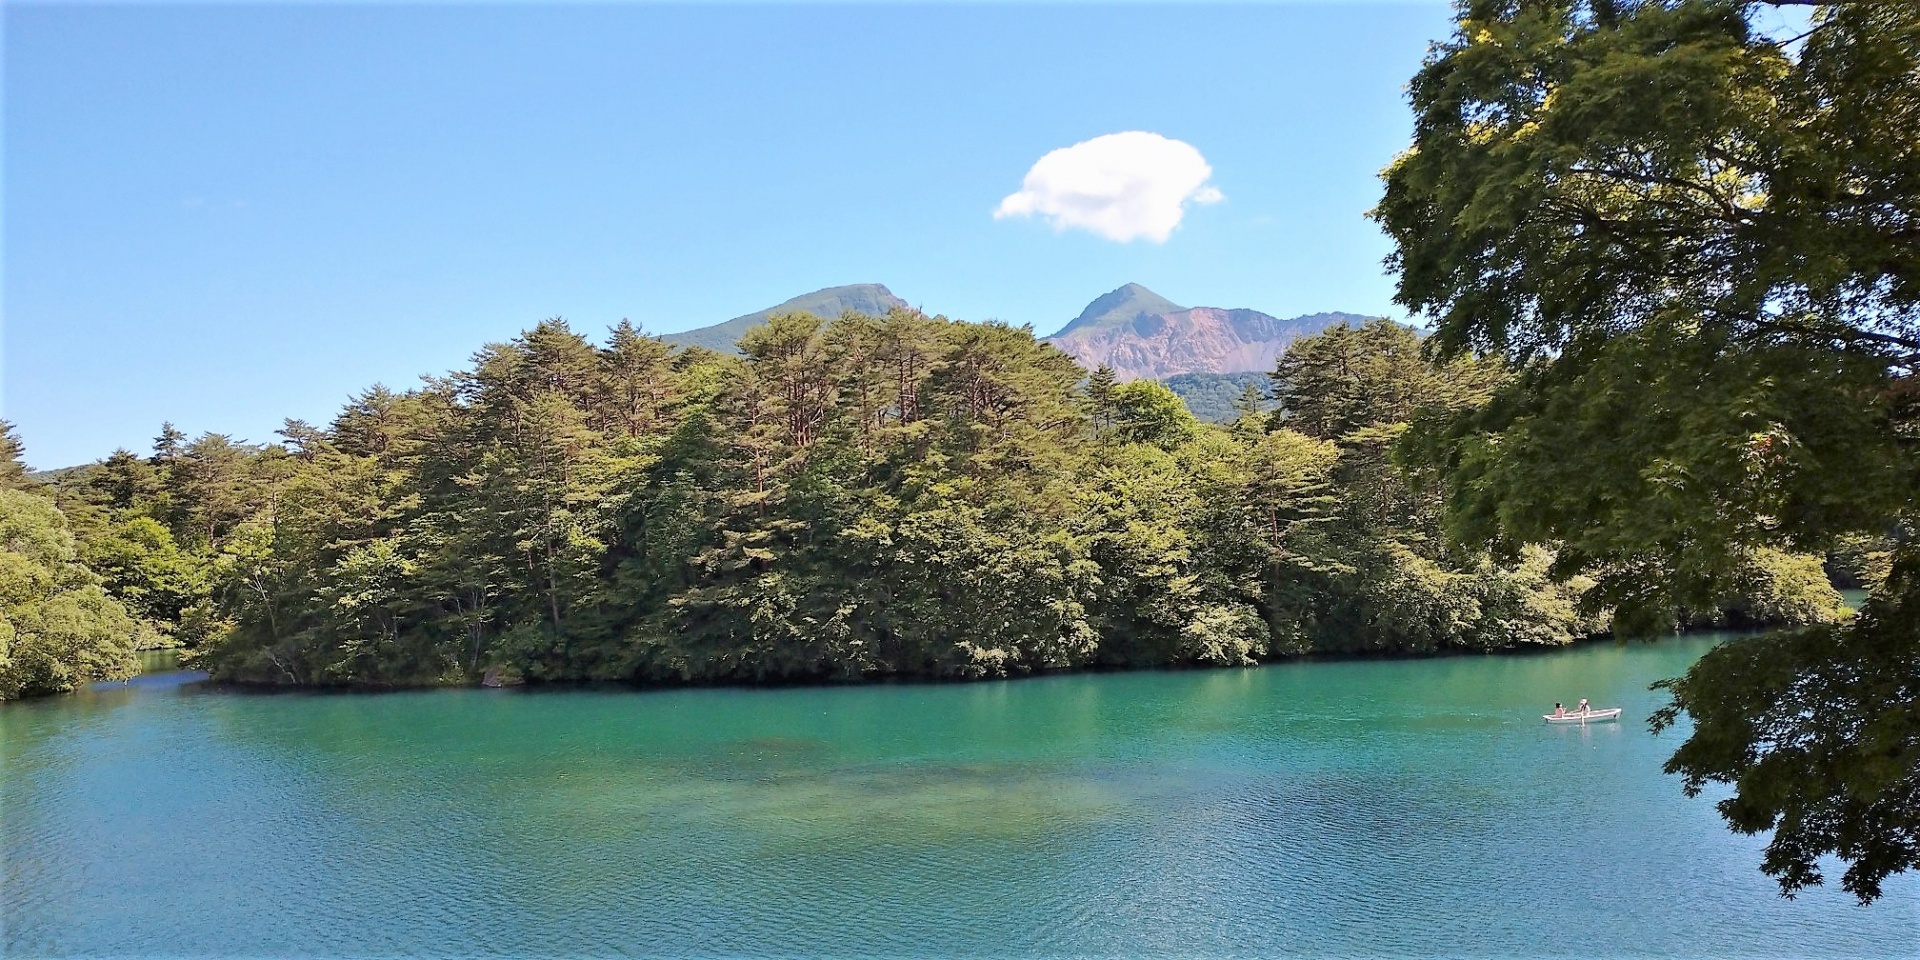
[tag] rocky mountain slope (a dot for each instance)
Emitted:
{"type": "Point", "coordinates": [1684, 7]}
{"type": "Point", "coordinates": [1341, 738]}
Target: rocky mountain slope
{"type": "Point", "coordinates": [1141, 334]}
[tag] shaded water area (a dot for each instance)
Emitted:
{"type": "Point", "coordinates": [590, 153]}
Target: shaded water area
{"type": "Point", "coordinates": [1407, 808]}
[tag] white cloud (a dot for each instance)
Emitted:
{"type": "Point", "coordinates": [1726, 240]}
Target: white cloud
{"type": "Point", "coordinates": [1122, 186]}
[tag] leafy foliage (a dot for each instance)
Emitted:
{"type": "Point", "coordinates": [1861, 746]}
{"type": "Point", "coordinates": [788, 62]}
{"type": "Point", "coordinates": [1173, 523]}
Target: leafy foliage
{"type": "Point", "coordinates": [1814, 728]}
{"type": "Point", "coordinates": [1694, 246]}
{"type": "Point", "coordinates": [58, 629]}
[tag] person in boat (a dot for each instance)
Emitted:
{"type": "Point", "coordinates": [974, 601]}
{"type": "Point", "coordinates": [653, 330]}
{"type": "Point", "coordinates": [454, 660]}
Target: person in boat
{"type": "Point", "coordinates": [1559, 710]}
{"type": "Point", "coordinates": [1583, 705]}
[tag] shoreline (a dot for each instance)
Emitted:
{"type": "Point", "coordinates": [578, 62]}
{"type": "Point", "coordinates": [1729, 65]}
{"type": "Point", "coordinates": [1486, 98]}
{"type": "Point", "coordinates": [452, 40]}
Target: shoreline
{"type": "Point", "coordinates": [571, 686]}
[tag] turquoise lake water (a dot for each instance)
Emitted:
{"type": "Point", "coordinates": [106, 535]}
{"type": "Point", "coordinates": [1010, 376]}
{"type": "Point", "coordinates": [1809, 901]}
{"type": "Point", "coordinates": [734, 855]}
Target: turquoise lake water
{"type": "Point", "coordinates": [1407, 808]}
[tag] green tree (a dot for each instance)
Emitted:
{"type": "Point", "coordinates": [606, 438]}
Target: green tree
{"type": "Point", "coordinates": [1695, 244]}
{"type": "Point", "coordinates": [58, 629]}
{"type": "Point", "coordinates": [371, 423]}
{"type": "Point", "coordinates": [13, 469]}
{"type": "Point", "coordinates": [1250, 404]}
{"type": "Point", "coordinates": [168, 446]}
{"type": "Point", "coordinates": [636, 380]}
{"type": "Point", "coordinates": [1145, 411]}
{"type": "Point", "coordinates": [1100, 386]}
{"type": "Point", "coordinates": [125, 480]}
{"type": "Point", "coordinates": [139, 563]}
{"type": "Point", "coordinates": [212, 477]}
{"type": "Point", "coordinates": [1347, 378]}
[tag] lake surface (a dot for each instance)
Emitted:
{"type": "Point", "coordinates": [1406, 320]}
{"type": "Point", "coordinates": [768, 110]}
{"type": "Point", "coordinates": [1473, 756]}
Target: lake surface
{"type": "Point", "coordinates": [1409, 808]}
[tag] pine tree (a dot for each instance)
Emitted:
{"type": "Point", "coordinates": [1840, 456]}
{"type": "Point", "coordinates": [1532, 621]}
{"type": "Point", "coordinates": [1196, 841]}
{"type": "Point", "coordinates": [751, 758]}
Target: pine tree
{"type": "Point", "coordinates": [1100, 387]}
{"type": "Point", "coordinates": [1250, 405]}
{"type": "Point", "coordinates": [13, 469]}
{"type": "Point", "coordinates": [125, 480]}
{"type": "Point", "coordinates": [168, 445]}
{"type": "Point", "coordinates": [636, 381]}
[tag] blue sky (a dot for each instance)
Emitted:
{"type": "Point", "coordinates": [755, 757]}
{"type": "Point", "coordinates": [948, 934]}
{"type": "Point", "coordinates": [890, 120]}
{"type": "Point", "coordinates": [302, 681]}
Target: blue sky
{"type": "Point", "coordinates": [229, 215]}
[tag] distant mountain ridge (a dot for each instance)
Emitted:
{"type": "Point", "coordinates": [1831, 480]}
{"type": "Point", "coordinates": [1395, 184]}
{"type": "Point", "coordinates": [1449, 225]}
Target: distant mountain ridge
{"type": "Point", "coordinates": [1143, 335]}
{"type": "Point", "coordinates": [1137, 332]}
{"type": "Point", "coordinates": [869, 298]}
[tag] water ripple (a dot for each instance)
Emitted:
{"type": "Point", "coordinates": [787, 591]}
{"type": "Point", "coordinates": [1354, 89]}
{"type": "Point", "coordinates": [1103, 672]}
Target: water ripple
{"type": "Point", "coordinates": [1328, 810]}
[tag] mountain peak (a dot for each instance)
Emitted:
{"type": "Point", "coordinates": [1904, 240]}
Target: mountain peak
{"type": "Point", "coordinates": [827, 303]}
{"type": "Point", "coordinates": [1121, 306]}
{"type": "Point", "coordinates": [1141, 334]}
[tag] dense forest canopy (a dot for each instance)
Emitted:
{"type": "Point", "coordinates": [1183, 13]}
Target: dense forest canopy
{"type": "Point", "coordinates": [874, 496]}
{"type": "Point", "coordinates": [830, 504]}
{"type": "Point", "coordinates": [1698, 247]}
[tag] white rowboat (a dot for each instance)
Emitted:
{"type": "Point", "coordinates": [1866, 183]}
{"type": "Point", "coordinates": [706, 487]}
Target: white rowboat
{"type": "Point", "coordinates": [1590, 716]}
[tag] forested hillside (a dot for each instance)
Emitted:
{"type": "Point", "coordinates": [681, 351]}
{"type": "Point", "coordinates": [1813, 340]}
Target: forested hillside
{"type": "Point", "coordinates": [882, 496]}
{"type": "Point", "coordinates": [1222, 397]}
